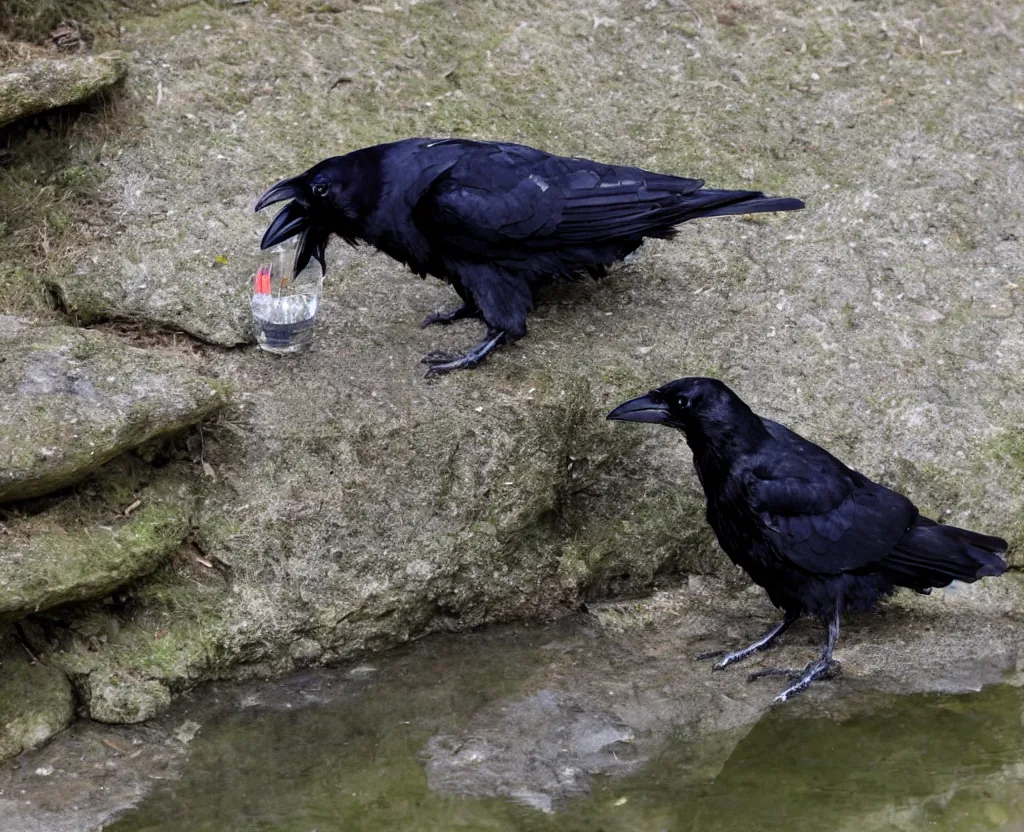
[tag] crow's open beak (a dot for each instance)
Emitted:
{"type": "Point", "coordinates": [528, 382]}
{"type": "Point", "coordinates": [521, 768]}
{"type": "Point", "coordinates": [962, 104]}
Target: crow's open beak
{"type": "Point", "coordinates": [285, 189]}
{"type": "Point", "coordinates": [290, 220]}
{"type": "Point", "coordinates": [641, 409]}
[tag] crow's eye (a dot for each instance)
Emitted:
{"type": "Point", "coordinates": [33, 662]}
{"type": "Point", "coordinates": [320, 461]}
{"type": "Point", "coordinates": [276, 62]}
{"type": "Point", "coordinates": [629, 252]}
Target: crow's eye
{"type": "Point", "coordinates": [682, 402]}
{"type": "Point", "coordinates": [320, 189]}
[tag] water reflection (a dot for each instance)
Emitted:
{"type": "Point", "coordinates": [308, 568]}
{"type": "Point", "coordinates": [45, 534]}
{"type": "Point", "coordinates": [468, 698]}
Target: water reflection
{"type": "Point", "coordinates": [914, 762]}
{"type": "Point", "coordinates": [934, 762]}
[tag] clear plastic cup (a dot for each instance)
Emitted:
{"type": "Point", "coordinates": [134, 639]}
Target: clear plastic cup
{"type": "Point", "coordinates": [283, 303]}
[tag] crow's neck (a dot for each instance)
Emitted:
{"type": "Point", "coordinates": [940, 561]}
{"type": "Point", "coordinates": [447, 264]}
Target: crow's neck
{"type": "Point", "coordinates": [718, 447]}
{"type": "Point", "coordinates": [363, 191]}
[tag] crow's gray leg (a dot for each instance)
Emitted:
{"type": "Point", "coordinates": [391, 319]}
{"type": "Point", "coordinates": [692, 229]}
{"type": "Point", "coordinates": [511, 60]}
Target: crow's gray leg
{"type": "Point", "coordinates": [441, 362]}
{"type": "Point", "coordinates": [467, 310]}
{"type": "Point", "coordinates": [823, 668]}
{"type": "Point", "coordinates": [762, 643]}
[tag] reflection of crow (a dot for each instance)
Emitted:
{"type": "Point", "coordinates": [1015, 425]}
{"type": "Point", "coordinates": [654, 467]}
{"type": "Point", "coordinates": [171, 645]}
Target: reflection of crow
{"type": "Point", "coordinates": [494, 220]}
{"type": "Point", "coordinates": [820, 538]}
{"type": "Point", "coordinates": [904, 766]}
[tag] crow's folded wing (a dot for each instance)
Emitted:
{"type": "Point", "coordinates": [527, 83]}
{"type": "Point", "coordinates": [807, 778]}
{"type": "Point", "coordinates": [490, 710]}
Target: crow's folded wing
{"type": "Point", "coordinates": [509, 196]}
{"type": "Point", "coordinates": [824, 517]}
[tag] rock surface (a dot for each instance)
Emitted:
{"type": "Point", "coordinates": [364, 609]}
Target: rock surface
{"type": "Point", "coordinates": [113, 699]}
{"type": "Point", "coordinates": [44, 561]}
{"type": "Point", "coordinates": [44, 83]}
{"type": "Point", "coordinates": [35, 700]}
{"type": "Point", "coordinates": [78, 398]}
{"type": "Point", "coordinates": [206, 300]}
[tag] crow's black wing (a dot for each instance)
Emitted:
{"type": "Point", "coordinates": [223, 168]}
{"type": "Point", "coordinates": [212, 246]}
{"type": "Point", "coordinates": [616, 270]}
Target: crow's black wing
{"type": "Point", "coordinates": [819, 514]}
{"type": "Point", "coordinates": [515, 197]}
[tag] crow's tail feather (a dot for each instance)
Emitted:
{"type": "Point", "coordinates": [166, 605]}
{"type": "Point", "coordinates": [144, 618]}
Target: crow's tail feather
{"type": "Point", "coordinates": [756, 203]}
{"type": "Point", "coordinates": [933, 555]}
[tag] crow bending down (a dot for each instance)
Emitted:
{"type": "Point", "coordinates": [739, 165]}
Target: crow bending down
{"type": "Point", "coordinates": [818, 536]}
{"type": "Point", "coordinates": [494, 220]}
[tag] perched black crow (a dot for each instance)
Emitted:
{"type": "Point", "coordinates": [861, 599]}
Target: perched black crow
{"type": "Point", "coordinates": [494, 220]}
{"type": "Point", "coordinates": [818, 536]}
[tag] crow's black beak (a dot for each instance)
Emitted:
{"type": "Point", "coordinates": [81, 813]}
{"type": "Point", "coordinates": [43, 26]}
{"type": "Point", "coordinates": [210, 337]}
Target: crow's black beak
{"type": "Point", "coordinates": [290, 220]}
{"type": "Point", "coordinates": [641, 409]}
{"type": "Point", "coordinates": [285, 189]}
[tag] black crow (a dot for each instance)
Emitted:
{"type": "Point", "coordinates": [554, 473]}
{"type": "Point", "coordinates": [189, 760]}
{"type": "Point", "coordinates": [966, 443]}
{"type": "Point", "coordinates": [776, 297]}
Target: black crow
{"type": "Point", "coordinates": [494, 220]}
{"type": "Point", "coordinates": [819, 537]}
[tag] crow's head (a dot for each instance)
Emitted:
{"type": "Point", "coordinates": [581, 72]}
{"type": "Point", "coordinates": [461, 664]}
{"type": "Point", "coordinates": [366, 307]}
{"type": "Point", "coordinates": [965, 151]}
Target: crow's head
{"type": "Point", "coordinates": [686, 404]}
{"type": "Point", "coordinates": [705, 409]}
{"type": "Point", "coordinates": [318, 206]}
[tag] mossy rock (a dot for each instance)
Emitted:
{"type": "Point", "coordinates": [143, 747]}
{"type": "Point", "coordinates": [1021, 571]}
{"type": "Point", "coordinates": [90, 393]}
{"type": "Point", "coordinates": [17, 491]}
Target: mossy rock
{"type": "Point", "coordinates": [44, 83]}
{"type": "Point", "coordinates": [78, 398]}
{"type": "Point", "coordinates": [120, 700]}
{"type": "Point", "coordinates": [46, 561]}
{"type": "Point", "coordinates": [35, 700]}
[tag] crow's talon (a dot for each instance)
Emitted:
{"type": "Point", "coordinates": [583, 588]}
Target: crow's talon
{"type": "Point", "coordinates": [727, 658]}
{"type": "Point", "coordinates": [435, 318]}
{"type": "Point", "coordinates": [766, 672]}
{"type": "Point", "coordinates": [441, 367]}
{"type": "Point", "coordinates": [821, 669]}
{"type": "Point", "coordinates": [450, 316]}
{"type": "Point", "coordinates": [834, 669]}
{"type": "Point", "coordinates": [443, 363]}
{"type": "Point", "coordinates": [440, 357]}
{"type": "Point", "coordinates": [763, 643]}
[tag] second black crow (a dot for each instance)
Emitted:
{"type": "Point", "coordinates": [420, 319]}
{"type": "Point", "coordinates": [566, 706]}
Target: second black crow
{"type": "Point", "coordinates": [819, 537]}
{"type": "Point", "coordinates": [495, 220]}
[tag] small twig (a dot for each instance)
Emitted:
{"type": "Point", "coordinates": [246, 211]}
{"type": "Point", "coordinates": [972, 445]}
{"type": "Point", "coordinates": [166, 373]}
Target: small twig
{"type": "Point", "coordinates": [32, 656]}
{"type": "Point", "coordinates": [132, 507]}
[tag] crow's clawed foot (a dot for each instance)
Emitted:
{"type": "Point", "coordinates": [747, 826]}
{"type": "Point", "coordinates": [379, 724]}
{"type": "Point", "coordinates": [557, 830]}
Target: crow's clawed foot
{"type": "Point", "coordinates": [821, 669]}
{"type": "Point", "coordinates": [440, 357]}
{"type": "Point", "coordinates": [766, 672]}
{"type": "Point", "coordinates": [445, 318]}
{"type": "Point", "coordinates": [763, 643]}
{"type": "Point", "coordinates": [441, 362]}
{"type": "Point", "coordinates": [727, 657]}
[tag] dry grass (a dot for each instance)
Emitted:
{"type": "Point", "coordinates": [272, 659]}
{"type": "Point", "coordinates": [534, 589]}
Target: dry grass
{"type": "Point", "coordinates": [33, 20]}
{"type": "Point", "coordinates": [50, 165]}
{"type": "Point", "coordinates": [51, 170]}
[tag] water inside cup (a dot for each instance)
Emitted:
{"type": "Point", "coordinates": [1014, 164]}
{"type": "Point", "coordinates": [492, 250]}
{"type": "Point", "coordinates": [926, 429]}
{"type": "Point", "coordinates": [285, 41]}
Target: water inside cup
{"type": "Point", "coordinates": [284, 305]}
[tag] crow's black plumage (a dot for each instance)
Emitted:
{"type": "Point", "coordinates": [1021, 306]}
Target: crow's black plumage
{"type": "Point", "coordinates": [819, 537]}
{"type": "Point", "coordinates": [495, 220]}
